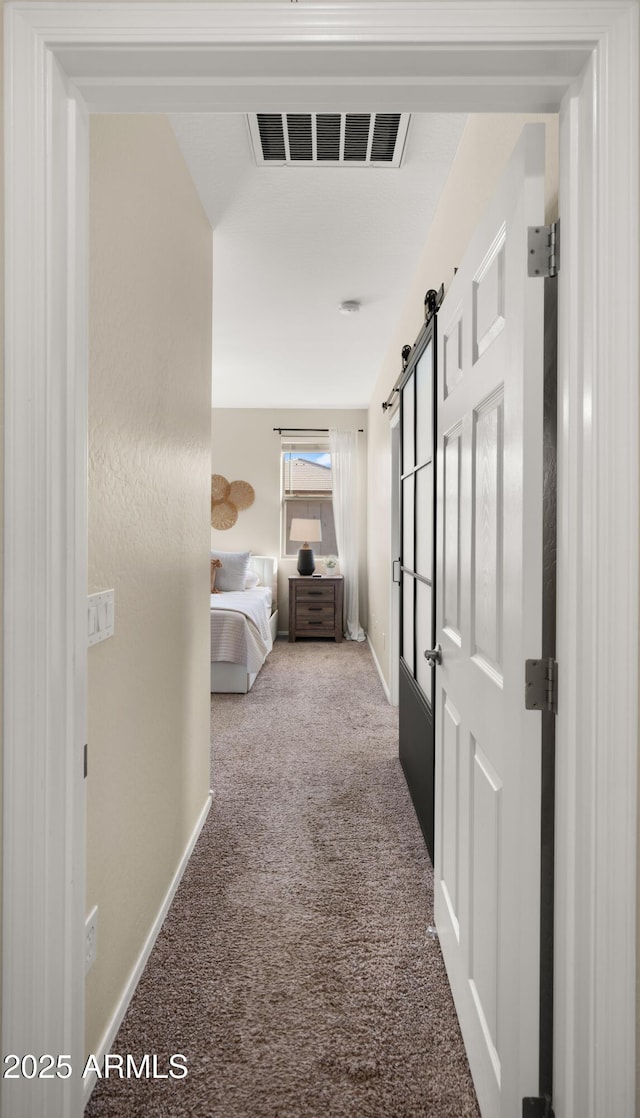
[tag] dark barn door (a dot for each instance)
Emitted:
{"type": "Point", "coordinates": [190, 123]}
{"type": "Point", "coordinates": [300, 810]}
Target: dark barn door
{"type": "Point", "coordinates": [417, 568]}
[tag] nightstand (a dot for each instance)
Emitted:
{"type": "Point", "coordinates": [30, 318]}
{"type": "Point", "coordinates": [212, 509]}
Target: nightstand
{"type": "Point", "coordinates": [315, 606]}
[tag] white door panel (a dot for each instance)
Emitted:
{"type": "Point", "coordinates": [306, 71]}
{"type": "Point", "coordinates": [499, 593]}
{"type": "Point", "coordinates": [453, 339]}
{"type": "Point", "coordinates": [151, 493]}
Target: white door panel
{"type": "Point", "coordinates": [489, 554]}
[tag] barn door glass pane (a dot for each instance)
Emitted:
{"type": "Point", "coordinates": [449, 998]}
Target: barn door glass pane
{"type": "Point", "coordinates": [408, 431]}
{"type": "Point", "coordinates": [407, 619]}
{"type": "Point", "coordinates": [424, 403]}
{"type": "Point", "coordinates": [423, 637]}
{"type": "Point", "coordinates": [424, 521]}
{"type": "Point", "coordinates": [408, 522]}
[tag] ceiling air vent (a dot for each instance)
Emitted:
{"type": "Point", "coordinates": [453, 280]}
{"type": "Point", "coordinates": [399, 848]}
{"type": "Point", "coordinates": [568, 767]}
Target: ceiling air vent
{"type": "Point", "coordinates": [328, 139]}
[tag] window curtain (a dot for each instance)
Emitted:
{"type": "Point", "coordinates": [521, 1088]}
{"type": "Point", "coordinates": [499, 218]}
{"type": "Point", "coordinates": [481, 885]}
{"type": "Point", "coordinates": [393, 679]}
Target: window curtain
{"type": "Point", "coordinates": [344, 467]}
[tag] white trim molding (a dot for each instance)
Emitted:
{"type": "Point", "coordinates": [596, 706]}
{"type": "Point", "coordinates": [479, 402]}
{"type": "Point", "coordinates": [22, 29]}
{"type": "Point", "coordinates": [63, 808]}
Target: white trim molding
{"type": "Point", "coordinates": [598, 565]}
{"type": "Point", "coordinates": [64, 60]}
{"type": "Point", "coordinates": [385, 686]}
{"type": "Point", "coordinates": [45, 571]}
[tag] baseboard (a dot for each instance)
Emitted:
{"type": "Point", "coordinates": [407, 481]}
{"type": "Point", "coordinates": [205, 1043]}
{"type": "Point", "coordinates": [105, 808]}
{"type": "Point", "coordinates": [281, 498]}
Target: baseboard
{"type": "Point", "coordinates": [283, 632]}
{"type": "Point", "coordinates": [273, 625]}
{"type": "Point", "coordinates": [122, 1006]}
{"type": "Point", "coordinates": [385, 686]}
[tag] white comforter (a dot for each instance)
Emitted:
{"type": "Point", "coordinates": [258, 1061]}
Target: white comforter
{"type": "Point", "coordinates": [240, 632]}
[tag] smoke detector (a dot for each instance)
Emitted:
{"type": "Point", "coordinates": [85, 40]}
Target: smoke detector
{"type": "Point", "coordinates": [350, 306]}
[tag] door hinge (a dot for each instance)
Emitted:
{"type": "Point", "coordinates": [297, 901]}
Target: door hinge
{"type": "Point", "coordinates": [539, 1107]}
{"type": "Point", "coordinates": [543, 249]}
{"type": "Point", "coordinates": [541, 685]}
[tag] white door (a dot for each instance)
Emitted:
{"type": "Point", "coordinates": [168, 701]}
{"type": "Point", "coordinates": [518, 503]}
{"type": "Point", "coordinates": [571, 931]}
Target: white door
{"type": "Point", "coordinates": [489, 603]}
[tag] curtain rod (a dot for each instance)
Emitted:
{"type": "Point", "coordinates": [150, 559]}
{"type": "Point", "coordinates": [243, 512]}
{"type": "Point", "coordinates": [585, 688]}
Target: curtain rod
{"type": "Point", "coordinates": [315, 430]}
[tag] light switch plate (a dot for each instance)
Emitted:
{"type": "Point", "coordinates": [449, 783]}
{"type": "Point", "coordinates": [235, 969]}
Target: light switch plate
{"type": "Point", "coordinates": [100, 616]}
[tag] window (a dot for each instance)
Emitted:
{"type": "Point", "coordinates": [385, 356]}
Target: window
{"type": "Point", "coordinates": [307, 492]}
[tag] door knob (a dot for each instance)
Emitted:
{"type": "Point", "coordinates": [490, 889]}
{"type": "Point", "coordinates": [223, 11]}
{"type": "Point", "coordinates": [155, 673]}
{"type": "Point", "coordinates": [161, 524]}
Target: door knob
{"type": "Point", "coordinates": [433, 655]}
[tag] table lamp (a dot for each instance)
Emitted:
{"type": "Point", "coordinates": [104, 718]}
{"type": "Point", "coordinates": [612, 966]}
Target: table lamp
{"type": "Point", "coordinates": [309, 531]}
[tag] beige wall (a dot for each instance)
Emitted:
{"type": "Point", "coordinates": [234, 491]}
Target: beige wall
{"type": "Point", "coordinates": [149, 443]}
{"type": "Point", "coordinates": [486, 144]}
{"type": "Point", "coordinates": [245, 447]}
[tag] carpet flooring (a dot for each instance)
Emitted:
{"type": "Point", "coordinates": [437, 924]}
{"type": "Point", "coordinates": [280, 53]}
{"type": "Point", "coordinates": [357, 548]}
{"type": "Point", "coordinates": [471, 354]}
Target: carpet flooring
{"type": "Point", "coordinates": [295, 970]}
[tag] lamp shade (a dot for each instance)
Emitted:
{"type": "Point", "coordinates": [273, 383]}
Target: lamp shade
{"type": "Point", "coordinates": [305, 531]}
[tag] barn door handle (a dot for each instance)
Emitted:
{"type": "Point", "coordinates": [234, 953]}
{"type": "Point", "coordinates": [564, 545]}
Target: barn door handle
{"type": "Point", "coordinates": [433, 655]}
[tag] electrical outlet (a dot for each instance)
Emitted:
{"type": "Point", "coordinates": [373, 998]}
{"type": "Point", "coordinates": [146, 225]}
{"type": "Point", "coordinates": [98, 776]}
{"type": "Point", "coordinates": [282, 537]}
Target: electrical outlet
{"type": "Point", "coordinates": [90, 939]}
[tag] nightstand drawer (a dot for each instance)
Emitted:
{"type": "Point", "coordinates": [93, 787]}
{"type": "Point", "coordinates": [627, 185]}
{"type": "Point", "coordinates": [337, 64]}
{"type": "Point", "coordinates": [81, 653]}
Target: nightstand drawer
{"type": "Point", "coordinates": [320, 592]}
{"type": "Point", "coordinates": [315, 611]}
{"type": "Point", "coordinates": [315, 624]}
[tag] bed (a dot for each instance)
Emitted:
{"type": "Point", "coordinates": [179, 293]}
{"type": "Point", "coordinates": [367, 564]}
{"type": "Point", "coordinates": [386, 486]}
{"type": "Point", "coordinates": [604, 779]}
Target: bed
{"type": "Point", "coordinates": [244, 625]}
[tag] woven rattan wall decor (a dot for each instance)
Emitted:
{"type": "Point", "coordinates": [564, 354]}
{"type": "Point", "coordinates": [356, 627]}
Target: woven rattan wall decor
{"type": "Point", "coordinates": [228, 498]}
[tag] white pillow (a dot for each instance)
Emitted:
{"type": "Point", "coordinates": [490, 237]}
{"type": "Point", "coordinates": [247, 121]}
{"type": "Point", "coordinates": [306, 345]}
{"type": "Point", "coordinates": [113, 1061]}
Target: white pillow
{"type": "Point", "coordinates": [232, 573]}
{"type": "Point", "coordinates": [251, 579]}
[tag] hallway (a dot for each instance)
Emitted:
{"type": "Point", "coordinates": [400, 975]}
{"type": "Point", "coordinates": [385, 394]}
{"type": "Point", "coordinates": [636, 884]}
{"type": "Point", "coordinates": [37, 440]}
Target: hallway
{"type": "Point", "coordinates": [294, 971]}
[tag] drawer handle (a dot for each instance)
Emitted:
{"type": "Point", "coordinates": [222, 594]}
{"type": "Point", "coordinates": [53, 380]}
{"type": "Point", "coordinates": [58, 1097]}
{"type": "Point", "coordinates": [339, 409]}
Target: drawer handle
{"type": "Point", "coordinates": [315, 607]}
{"type": "Point", "coordinates": [315, 623]}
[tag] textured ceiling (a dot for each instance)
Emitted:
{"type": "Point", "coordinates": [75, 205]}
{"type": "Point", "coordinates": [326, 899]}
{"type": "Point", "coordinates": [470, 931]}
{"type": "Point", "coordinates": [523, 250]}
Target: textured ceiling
{"type": "Point", "coordinates": [290, 244]}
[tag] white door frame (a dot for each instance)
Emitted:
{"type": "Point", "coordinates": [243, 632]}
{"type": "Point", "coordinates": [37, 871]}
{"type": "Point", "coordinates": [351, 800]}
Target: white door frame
{"type": "Point", "coordinates": [64, 60]}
